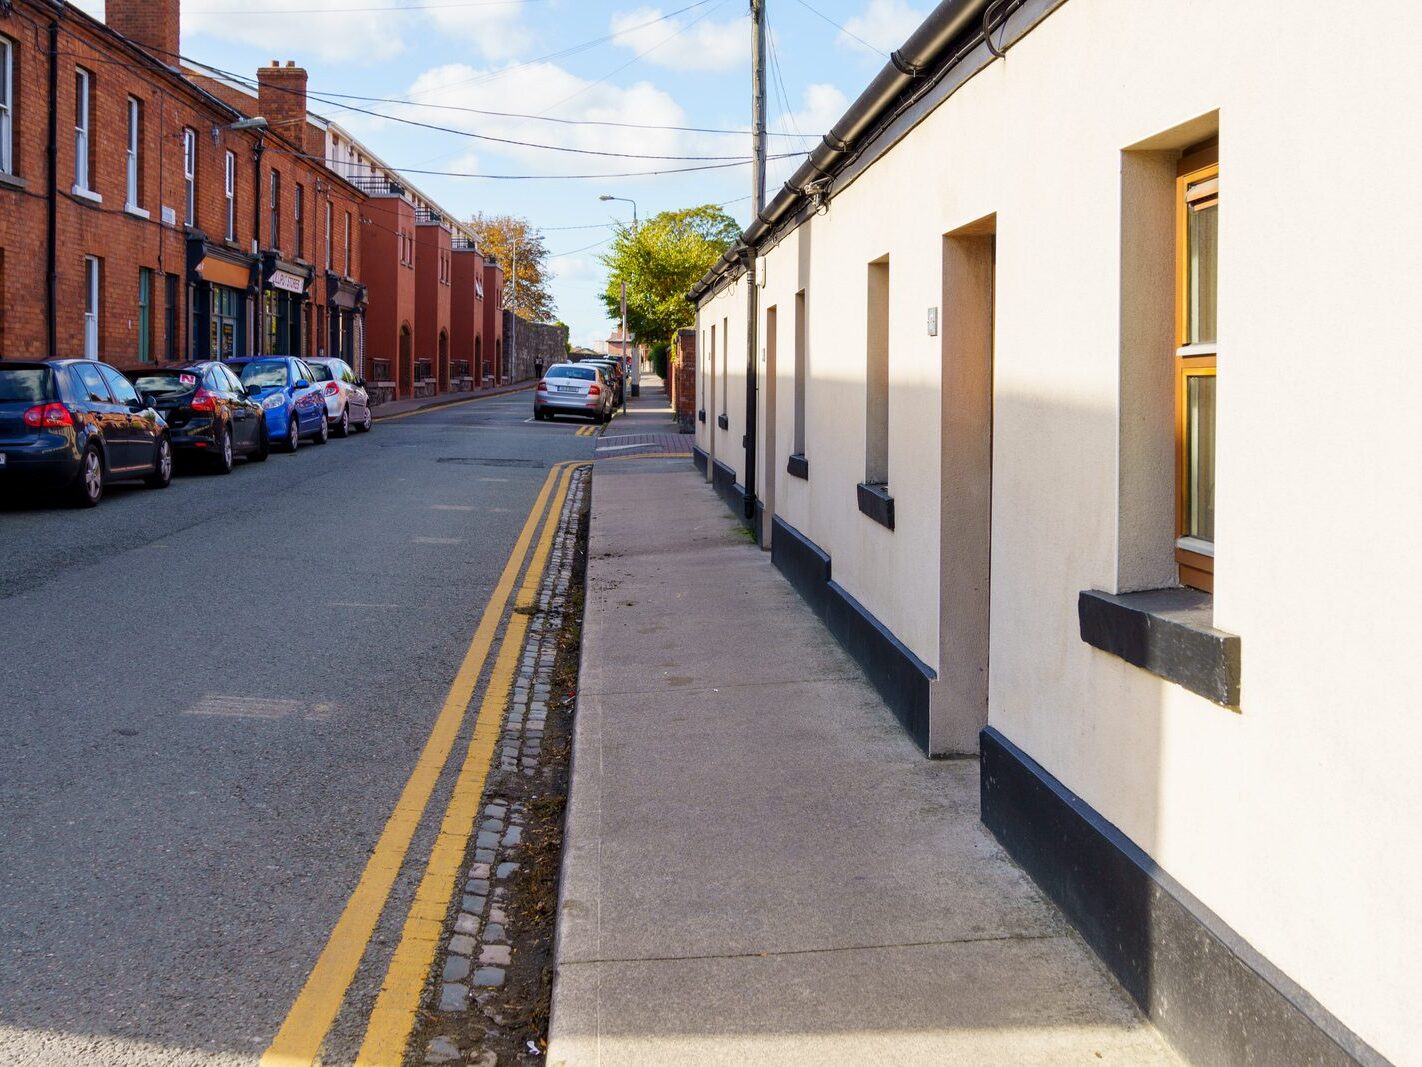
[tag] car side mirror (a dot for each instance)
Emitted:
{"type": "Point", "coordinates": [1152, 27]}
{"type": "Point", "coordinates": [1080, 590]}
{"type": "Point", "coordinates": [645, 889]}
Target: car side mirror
{"type": "Point", "coordinates": [360, 382]}
{"type": "Point", "coordinates": [302, 383]}
{"type": "Point", "coordinates": [251, 390]}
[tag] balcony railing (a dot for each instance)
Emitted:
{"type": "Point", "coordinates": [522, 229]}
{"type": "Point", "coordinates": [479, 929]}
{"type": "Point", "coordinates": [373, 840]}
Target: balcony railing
{"type": "Point", "coordinates": [462, 243]}
{"type": "Point", "coordinates": [429, 217]}
{"type": "Point", "coordinates": [377, 185]}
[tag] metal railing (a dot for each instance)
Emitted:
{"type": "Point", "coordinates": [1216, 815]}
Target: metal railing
{"type": "Point", "coordinates": [424, 370]}
{"type": "Point", "coordinates": [463, 243]}
{"type": "Point", "coordinates": [460, 368]}
{"type": "Point", "coordinates": [377, 185]}
{"type": "Point", "coordinates": [429, 216]}
{"type": "Point", "coordinates": [382, 371]}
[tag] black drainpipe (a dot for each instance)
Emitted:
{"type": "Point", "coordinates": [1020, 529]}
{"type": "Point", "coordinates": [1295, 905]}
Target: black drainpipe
{"type": "Point", "coordinates": [51, 253]}
{"type": "Point", "coordinates": [259, 312]}
{"type": "Point", "coordinates": [752, 310]}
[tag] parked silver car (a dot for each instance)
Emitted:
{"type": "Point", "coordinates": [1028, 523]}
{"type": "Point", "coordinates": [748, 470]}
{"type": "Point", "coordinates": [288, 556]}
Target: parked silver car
{"type": "Point", "coordinates": [347, 404]}
{"type": "Point", "coordinates": [573, 389]}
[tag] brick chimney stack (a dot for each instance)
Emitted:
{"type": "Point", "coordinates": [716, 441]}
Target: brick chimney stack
{"type": "Point", "coordinates": [281, 100]}
{"type": "Point", "coordinates": [152, 24]}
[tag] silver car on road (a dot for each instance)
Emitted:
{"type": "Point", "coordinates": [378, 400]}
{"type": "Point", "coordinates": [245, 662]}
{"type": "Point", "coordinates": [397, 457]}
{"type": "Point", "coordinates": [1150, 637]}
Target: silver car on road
{"type": "Point", "coordinates": [573, 389]}
{"type": "Point", "coordinates": [347, 404]}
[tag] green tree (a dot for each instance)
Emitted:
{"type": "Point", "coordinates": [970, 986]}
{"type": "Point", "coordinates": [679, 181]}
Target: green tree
{"type": "Point", "coordinates": [660, 261]}
{"type": "Point", "coordinates": [531, 298]}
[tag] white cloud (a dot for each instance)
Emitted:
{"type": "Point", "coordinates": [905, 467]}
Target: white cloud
{"type": "Point", "coordinates": [885, 24]}
{"type": "Point", "coordinates": [539, 87]}
{"type": "Point", "coordinates": [821, 106]}
{"type": "Point", "coordinates": [332, 30]}
{"type": "Point", "coordinates": [682, 43]}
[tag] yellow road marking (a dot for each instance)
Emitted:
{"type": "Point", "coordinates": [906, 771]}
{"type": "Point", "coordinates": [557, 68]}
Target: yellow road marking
{"type": "Point", "coordinates": [306, 1025]}
{"type": "Point", "coordinates": [452, 404]}
{"type": "Point", "coordinates": [393, 1017]}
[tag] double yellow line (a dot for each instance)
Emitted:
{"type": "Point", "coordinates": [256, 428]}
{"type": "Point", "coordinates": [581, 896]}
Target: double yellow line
{"type": "Point", "coordinates": [586, 431]}
{"type": "Point", "coordinates": [299, 1039]}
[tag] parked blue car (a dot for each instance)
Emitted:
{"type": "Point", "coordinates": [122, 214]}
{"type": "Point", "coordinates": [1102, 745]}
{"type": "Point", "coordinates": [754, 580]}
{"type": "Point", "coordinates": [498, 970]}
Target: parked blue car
{"type": "Point", "coordinates": [291, 400]}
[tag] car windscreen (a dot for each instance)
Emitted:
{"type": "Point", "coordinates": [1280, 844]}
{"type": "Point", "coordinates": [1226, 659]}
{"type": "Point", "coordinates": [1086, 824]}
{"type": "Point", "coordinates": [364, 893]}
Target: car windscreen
{"type": "Point", "coordinates": [264, 375]}
{"type": "Point", "coordinates": [586, 374]}
{"type": "Point", "coordinates": [165, 382]}
{"type": "Point", "coordinates": [24, 384]}
{"type": "Point", "coordinates": [320, 372]}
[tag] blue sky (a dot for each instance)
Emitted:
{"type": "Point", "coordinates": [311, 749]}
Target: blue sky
{"type": "Point", "coordinates": [580, 60]}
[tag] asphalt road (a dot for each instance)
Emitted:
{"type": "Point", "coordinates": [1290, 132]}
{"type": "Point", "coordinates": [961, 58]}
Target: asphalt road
{"type": "Point", "coordinates": [210, 698]}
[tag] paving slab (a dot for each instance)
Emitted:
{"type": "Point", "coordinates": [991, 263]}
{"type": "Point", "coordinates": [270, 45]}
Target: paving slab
{"type": "Point", "coordinates": [760, 867]}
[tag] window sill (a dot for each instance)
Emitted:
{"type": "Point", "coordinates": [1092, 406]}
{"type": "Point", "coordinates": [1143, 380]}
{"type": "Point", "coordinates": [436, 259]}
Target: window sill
{"type": "Point", "coordinates": [798, 465]}
{"type": "Point", "coordinates": [136, 211]}
{"type": "Point", "coordinates": [1169, 632]}
{"type": "Point", "coordinates": [13, 181]}
{"type": "Point", "coordinates": [723, 422]}
{"type": "Point", "coordinates": [86, 194]}
{"type": "Point", "coordinates": [875, 501]}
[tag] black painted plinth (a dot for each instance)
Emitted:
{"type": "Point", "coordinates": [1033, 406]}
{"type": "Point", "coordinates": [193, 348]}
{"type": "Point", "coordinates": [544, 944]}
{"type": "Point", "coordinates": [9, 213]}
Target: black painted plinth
{"type": "Point", "coordinates": [1168, 632]}
{"type": "Point", "coordinates": [1208, 990]}
{"type": "Point", "coordinates": [805, 565]}
{"type": "Point", "coordinates": [699, 459]}
{"type": "Point", "coordinates": [875, 501]}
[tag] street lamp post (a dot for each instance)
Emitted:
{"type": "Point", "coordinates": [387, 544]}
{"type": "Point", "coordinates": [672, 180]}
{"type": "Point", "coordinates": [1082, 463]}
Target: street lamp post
{"type": "Point", "coordinates": [636, 363]}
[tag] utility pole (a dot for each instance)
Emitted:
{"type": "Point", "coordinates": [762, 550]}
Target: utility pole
{"type": "Point", "coordinates": [622, 331]}
{"type": "Point", "coordinates": [757, 11]}
{"type": "Point", "coordinates": [512, 353]}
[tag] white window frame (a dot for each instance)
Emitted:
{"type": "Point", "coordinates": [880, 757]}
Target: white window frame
{"type": "Point", "coordinates": [348, 244]}
{"type": "Point", "coordinates": [83, 99]}
{"type": "Point", "coordinates": [298, 208]}
{"type": "Point", "coordinates": [7, 106]}
{"type": "Point", "coordinates": [330, 237]}
{"type": "Point", "coordinates": [189, 176]}
{"type": "Point", "coordinates": [274, 207]}
{"type": "Point", "coordinates": [133, 195]}
{"type": "Point", "coordinates": [229, 190]}
{"type": "Point", "coordinates": [91, 307]}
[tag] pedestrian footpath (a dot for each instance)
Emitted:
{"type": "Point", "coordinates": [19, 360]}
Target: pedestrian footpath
{"type": "Point", "coordinates": [760, 867]}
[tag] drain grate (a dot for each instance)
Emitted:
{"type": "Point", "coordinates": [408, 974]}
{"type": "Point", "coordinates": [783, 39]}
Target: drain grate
{"type": "Point", "coordinates": [494, 461]}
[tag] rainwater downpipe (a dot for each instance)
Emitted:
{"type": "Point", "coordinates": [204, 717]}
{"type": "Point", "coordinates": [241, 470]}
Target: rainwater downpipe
{"type": "Point", "coordinates": [51, 254]}
{"type": "Point", "coordinates": [752, 312]}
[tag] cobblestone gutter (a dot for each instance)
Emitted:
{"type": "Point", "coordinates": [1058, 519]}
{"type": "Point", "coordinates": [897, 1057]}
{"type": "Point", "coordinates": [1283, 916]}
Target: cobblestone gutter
{"type": "Point", "coordinates": [488, 1001]}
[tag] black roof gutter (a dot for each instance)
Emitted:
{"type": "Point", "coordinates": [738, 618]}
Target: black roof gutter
{"type": "Point", "coordinates": [907, 68]}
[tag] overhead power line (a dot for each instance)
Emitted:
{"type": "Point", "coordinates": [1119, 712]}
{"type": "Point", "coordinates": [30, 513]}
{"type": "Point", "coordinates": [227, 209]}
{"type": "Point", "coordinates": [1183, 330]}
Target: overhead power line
{"type": "Point", "coordinates": [357, 10]}
{"type": "Point", "coordinates": [841, 29]}
{"type": "Point", "coordinates": [540, 177]}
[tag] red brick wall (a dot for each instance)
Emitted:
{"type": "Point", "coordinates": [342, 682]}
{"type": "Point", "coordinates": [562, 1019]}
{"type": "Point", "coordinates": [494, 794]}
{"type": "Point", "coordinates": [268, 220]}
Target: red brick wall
{"type": "Point", "coordinates": [151, 23]}
{"type": "Point", "coordinates": [466, 312]}
{"type": "Point", "coordinates": [492, 334]}
{"type": "Point", "coordinates": [432, 297]}
{"type": "Point", "coordinates": [683, 378]}
{"type": "Point", "coordinates": [391, 283]}
{"type": "Point", "coordinates": [122, 240]}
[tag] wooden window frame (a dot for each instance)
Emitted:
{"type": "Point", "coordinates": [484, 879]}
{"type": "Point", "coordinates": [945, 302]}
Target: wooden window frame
{"type": "Point", "coordinates": [7, 106]}
{"type": "Point", "coordinates": [190, 166]}
{"type": "Point", "coordinates": [1196, 569]}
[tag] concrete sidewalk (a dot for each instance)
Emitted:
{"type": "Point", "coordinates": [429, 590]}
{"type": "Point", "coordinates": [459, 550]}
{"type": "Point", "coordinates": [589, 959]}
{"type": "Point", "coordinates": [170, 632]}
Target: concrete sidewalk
{"type": "Point", "coordinates": [761, 868]}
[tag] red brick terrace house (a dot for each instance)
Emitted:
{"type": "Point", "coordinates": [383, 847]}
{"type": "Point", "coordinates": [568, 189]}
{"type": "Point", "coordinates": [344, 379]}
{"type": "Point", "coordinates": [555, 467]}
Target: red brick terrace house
{"type": "Point", "coordinates": [492, 370]}
{"type": "Point", "coordinates": [161, 232]}
{"type": "Point", "coordinates": [433, 270]}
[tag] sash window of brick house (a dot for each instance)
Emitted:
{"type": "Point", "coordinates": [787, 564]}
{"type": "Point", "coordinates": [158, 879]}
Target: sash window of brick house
{"type": "Point", "coordinates": [189, 177]}
{"type": "Point", "coordinates": [133, 195]}
{"type": "Point", "coordinates": [229, 191]}
{"type": "Point", "coordinates": [83, 100]}
{"type": "Point", "coordinates": [7, 106]}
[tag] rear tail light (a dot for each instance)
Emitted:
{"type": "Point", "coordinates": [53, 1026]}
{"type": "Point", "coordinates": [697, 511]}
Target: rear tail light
{"type": "Point", "coordinates": [202, 401]}
{"type": "Point", "coordinates": [594, 390]}
{"type": "Point", "coordinates": [48, 415]}
{"type": "Point", "coordinates": [543, 386]}
{"type": "Point", "coordinates": [332, 388]}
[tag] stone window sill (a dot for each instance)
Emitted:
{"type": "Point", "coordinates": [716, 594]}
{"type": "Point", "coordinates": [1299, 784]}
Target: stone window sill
{"type": "Point", "coordinates": [86, 194]}
{"type": "Point", "coordinates": [13, 181]}
{"type": "Point", "coordinates": [723, 422]}
{"type": "Point", "coordinates": [875, 501]}
{"type": "Point", "coordinates": [1169, 632]}
{"type": "Point", "coordinates": [136, 211]}
{"type": "Point", "coordinates": [798, 466]}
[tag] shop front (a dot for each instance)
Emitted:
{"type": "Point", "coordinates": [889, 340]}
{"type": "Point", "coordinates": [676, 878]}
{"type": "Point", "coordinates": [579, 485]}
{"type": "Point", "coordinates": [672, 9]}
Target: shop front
{"type": "Point", "coordinates": [220, 300]}
{"type": "Point", "coordinates": [284, 310]}
{"type": "Point", "coordinates": [345, 310]}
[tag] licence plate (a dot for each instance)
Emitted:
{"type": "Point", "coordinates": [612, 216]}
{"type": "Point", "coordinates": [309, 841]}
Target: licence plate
{"type": "Point", "coordinates": [567, 389]}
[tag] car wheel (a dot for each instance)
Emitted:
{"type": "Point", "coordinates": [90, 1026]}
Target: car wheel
{"type": "Point", "coordinates": [365, 424]}
{"type": "Point", "coordinates": [293, 434]}
{"type": "Point", "coordinates": [343, 424]}
{"type": "Point", "coordinates": [264, 445]}
{"type": "Point", "coordinates": [324, 433]}
{"type": "Point", "coordinates": [162, 475]}
{"type": "Point", "coordinates": [222, 460]}
{"type": "Point", "coordinates": [88, 487]}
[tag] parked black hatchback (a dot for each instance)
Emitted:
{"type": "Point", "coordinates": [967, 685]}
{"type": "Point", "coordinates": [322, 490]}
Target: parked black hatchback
{"type": "Point", "coordinates": [75, 425]}
{"type": "Point", "coordinates": [208, 412]}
